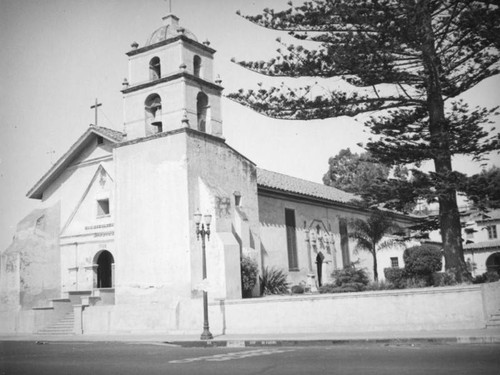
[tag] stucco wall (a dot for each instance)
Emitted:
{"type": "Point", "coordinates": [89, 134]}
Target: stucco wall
{"type": "Point", "coordinates": [464, 307]}
{"type": "Point", "coordinates": [216, 173]}
{"type": "Point", "coordinates": [88, 232]}
{"type": "Point", "coordinates": [152, 221]}
{"type": "Point", "coordinates": [29, 268]}
{"type": "Point", "coordinates": [418, 309]}
{"type": "Point", "coordinates": [307, 216]}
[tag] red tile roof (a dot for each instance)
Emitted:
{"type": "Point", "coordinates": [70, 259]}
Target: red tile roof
{"type": "Point", "coordinates": [109, 133]}
{"type": "Point", "coordinates": [482, 245]}
{"type": "Point", "coordinates": [282, 182]}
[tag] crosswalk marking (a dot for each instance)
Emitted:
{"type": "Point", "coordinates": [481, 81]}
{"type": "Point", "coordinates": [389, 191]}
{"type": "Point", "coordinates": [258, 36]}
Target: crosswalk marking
{"type": "Point", "coordinates": [231, 356]}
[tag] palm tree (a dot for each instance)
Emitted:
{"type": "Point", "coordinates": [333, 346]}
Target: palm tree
{"type": "Point", "coordinates": [370, 234]}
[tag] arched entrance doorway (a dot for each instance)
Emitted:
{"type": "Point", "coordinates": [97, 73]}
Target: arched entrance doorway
{"type": "Point", "coordinates": [105, 263]}
{"type": "Point", "coordinates": [493, 263]}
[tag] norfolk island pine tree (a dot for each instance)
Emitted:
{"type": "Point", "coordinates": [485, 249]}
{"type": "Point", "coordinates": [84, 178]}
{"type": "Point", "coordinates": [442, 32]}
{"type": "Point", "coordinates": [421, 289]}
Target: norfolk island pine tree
{"type": "Point", "coordinates": [431, 51]}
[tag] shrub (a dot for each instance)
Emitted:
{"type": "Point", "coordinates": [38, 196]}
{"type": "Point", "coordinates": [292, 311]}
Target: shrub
{"type": "Point", "coordinates": [273, 281]}
{"type": "Point", "coordinates": [443, 278]}
{"type": "Point", "coordinates": [330, 288]}
{"type": "Point", "coordinates": [492, 276]}
{"type": "Point", "coordinates": [395, 276]}
{"type": "Point", "coordinates": [422, 260]}
{"type": "Point", "coordinates": [298, 289]}
{"type": "Point", "coordinates": [418, 281]}
{"type": "Point", "coordinates": [249, 272]}
{"type": "Point", "coordinates": [351, 279]}
{"type": "Point", "coordinates": [487, 277]}
{"type": "Point", "coordinates": [380, 285]}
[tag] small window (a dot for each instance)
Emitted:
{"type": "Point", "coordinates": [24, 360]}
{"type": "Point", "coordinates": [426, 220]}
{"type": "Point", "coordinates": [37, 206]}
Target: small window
{"type": "Point", "coordinates": [237, 198]}
{"type": "Point", "coordinates": [394, 262]}
{"type": "Point", "coordinates": [100, 140]}
{"type": "Point", "coordinates": [492, 231]}
{"type": "Point", "coordinates": [103, 207]}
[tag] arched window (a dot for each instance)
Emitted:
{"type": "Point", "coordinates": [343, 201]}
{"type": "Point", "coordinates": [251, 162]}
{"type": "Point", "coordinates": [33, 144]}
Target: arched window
{"type": "Point", "coordinates": [154, 69]}
{"type": "Point", "coordinates": [196, 66]}
{"type": "Point", "coordinates": [201, 110]}
{"type": "Point", "coordinates": [104, 273]}
{"type": "Point", "coordinates": [152, 107]}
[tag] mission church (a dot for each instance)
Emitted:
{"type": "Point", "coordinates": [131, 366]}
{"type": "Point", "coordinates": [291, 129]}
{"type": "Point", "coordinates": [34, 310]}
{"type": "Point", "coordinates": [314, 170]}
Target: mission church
{"type": "Point", "coordinates": [114, 241]}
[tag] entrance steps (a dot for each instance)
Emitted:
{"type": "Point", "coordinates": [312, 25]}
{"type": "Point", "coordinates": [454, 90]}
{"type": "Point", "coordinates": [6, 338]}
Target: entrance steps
{"type": "Point", "coordinates": [58, 316]}
{"type": "Point", "coordinates": [65, 326]}
{"type": "Point", "coordinates": [494, 320]}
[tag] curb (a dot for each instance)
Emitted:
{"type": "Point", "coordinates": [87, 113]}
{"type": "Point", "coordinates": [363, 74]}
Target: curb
{"type": "Point", "coordinates": [288, 343]}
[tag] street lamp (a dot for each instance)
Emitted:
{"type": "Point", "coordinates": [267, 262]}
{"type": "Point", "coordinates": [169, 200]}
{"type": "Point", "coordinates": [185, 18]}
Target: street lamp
{"type": "Point", "coordinates": [206, 335]}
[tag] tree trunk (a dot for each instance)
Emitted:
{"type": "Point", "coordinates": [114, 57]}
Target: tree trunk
{"type": "Point", "coordinates": [440, 143]}
{"type": "Point", "coordinates": [375, 266]}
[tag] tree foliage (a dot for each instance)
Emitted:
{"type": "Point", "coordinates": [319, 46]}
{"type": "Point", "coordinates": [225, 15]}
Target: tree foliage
{"type": "Point", "coordinates": [352, 172]}
{"type": "Point", "coordinates": [249, 275]}
{"type": "Point", "coordinates": [369, 43]}
{"type": "Point", "coordinates": [370, 233]}
{"type": "Point", "coordinates": [483, 189]}
{"type": "Point", "coordinates": [403, 60]}
{"type": "Point", "coordinates": [347, 280]}
{"type": "Point", "coordinates": [368, 178]}
{"type": "Point", "coordinates": [422, 260]}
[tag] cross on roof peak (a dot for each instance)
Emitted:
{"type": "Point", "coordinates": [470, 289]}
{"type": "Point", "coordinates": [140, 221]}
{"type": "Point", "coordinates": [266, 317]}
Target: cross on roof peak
{"type": "Point", "coordinates": [95, 106]}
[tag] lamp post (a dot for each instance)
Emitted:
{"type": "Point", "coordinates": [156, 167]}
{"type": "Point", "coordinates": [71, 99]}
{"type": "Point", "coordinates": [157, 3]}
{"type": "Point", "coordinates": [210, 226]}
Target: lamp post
{"type": "Point", "coordinates": [201, 231]}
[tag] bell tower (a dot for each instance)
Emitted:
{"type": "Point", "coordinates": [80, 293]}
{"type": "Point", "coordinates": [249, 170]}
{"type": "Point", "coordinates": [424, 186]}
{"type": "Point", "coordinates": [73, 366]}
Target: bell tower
{"type": "Point", "coordinates": [170, 84]}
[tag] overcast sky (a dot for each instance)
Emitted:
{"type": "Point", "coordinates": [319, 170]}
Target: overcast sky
{"type": "Point", "coordinates": [59, 55]}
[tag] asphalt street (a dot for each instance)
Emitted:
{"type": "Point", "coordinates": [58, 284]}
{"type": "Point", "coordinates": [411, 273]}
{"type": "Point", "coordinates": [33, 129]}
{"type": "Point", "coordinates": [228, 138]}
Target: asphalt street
{"type": "Point", "coordinates": [29, 357]}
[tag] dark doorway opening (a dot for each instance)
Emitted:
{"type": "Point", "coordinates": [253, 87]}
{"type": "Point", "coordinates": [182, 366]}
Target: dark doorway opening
{"type": "Point", "coordinates": [319, 267]}
{"type": "Point", "coordinates": [105, 263]}
{"type": "Point", "coordinates": [493, 263]}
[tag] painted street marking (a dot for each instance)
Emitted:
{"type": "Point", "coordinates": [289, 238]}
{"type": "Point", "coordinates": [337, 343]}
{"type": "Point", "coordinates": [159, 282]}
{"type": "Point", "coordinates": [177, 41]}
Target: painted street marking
{"type": "Point", "coordinates": [231, 356]}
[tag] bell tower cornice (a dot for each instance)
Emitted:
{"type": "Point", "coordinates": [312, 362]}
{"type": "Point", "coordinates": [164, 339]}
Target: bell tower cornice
{"type": "Point", "coordinates": [162, 43]}
{"type": "Point", "coordinates": [173, 77]}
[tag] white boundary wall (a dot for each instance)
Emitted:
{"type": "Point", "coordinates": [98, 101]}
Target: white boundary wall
{"type": "Point", "coordinates": [404, 310]}
{"type": "Point", "coordinates": [461, 307]}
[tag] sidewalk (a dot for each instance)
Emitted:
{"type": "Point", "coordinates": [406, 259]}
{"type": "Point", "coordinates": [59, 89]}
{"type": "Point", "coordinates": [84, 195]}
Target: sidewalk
{"type": "Point", "coordinates": [476, 336]}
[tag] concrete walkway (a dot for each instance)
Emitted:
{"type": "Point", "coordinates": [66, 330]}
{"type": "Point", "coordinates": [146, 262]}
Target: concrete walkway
{"type": "Point", "coordinates": [476, 336]}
